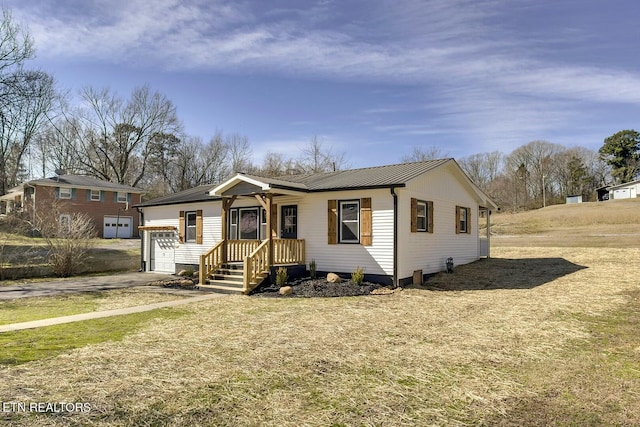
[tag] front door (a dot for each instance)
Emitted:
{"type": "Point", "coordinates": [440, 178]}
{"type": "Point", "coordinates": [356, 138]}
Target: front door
{"type": "Point", "coordinates": [289, 222]}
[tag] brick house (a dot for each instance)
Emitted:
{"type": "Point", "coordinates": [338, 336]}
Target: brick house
{"type": "Point", "coordinates": [109, 205]}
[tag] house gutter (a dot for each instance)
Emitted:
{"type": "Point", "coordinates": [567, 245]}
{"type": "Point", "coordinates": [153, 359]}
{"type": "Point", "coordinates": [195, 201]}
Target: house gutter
{"type": "Point", "coordinates": [141, 222]}
{"type": "Point", "coordinates": [395, 236]}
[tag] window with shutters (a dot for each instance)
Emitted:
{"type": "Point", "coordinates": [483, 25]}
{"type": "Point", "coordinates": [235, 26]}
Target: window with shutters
{"type": "Point", "coordinates": [95, 195]}
{"type": "Point", "coordinates": [349, 214]}
{"type": "Point", "coordinates": [421, 216]}
{"type": "Point", "coordinates": [64, 193]}
{"type": "Point", "coordinates": [462, 220]}
{"type": "Point", "coordinates": [190, 226]}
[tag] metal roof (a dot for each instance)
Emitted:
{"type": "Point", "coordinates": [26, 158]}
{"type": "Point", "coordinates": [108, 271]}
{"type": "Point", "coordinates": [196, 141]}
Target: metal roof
{"type": "Point", "coordinates": [83, 181]}
{"type": "Point", "coordinates": [196, 194]}
{"type": "Point", "coordinates": [364, 178]}
{"type": "Point", "coordinates": [371, 177]}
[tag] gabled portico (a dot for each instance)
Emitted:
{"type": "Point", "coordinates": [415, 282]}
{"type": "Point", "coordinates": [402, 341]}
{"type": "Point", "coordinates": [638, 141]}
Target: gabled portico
{"type": "Point", "coordinates": [249, 234]}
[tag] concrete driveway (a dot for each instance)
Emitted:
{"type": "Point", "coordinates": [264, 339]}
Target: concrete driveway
{"type": "Point", "coordinates": [76, 285]}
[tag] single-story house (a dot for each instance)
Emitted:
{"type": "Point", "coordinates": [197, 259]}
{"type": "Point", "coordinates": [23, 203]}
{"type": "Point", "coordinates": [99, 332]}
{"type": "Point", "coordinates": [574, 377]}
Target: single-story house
{"type": "Point", "coordinates": [628, 190]}
{"type": "Point", "coordinates": [397, 222]}
{"type": "Point", "coordinates": [108, 204]}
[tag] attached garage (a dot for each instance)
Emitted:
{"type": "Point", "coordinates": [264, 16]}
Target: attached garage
{"type": "Point", "coordinates": [162, 248]}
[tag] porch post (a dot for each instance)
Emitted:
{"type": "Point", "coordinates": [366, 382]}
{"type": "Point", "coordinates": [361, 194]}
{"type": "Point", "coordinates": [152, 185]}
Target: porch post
{"type": "Point", "coordinates": [488, 233]}
{"type": "Point", "coordinates": [226, 204]}
{"type": "Point", "coordinates": [269, 234]}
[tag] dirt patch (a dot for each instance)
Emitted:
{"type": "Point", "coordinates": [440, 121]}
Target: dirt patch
{"type": "Point", "coordinates": [308, 288]}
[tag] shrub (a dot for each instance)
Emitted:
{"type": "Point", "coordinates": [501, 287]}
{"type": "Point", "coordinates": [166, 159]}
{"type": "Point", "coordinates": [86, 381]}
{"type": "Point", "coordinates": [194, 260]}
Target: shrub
{"type": "Point", "coordinates": [189, 271]}
{"type": "Point", "coordinates": [357, 276]}
{"type": "Point", "coordinates": [281, 276]}
{"type": "Point", "coordinates": [312, 269]}
{"type": "Point", "coordinates": [68, 241]}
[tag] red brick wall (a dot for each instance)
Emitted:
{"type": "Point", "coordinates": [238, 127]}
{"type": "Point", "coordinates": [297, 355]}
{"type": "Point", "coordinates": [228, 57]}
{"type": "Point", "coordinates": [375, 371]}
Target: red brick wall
{"type": "Point", "coordinates": [46, 197]}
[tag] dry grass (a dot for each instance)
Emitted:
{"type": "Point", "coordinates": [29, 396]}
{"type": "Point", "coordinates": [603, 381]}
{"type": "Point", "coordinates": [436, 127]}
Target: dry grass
{"type": "Point", "coordinates": [519, 334]}
{"type": "Point", "coordinates": [613, 224]}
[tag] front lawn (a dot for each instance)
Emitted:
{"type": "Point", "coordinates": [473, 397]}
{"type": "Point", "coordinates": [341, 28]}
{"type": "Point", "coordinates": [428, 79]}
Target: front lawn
{"type": "Point", "coordinates": [494, 343]}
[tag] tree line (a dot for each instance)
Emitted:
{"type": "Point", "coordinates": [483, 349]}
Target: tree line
{"type": "Point", "coordinates": [139, 141]}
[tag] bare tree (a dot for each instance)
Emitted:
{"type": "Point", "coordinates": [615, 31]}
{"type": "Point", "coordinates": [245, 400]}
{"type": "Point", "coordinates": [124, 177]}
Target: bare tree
{"type": "Point", "coordinates": [120, 137]}
{"type": "Point", "coordinates": [483, 168]}
{"type": "Point", "coordinates": [239, 153]}
{"type": "Point", "coordinates": [422, 154]}
{"type": "Point", "coordinates": [316, 158]}
{"type": "Point", "coordinates": [25, 99]}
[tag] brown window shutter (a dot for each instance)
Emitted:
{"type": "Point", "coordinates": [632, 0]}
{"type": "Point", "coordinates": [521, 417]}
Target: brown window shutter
{"type": "Point", "coordinates": [458, 219]}
{"type": "Point", "coordinates": [430, 217]}
{"type": "Point", "coordinates": [199, 226]}
{"type": "Point", "coordinates": [366, 222]}
{"type": "Point", "coordinates": [332, 219]}
{"type": "Point", "coordinates": [414, 215]}
{"type": "Point", "coordinates": [181, 228]}
{"type": "Point", "coordinates": [468, 220]}
{"type": "Point", "coordinates": [274, 220]}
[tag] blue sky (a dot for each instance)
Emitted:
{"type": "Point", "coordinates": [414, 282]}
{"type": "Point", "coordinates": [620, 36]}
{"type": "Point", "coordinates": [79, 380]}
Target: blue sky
{"type": "Point", "coordinates": [370, 78]}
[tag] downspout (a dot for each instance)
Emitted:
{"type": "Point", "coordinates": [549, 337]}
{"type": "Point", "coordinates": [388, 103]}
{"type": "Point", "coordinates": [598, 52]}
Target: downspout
{"type": "Point", "coordinates": [141, 222]}
{"type": "Point", "coordinates": [395, 237]}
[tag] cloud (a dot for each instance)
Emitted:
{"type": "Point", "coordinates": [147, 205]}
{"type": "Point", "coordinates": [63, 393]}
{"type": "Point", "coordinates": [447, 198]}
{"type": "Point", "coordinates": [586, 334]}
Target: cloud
{"type": "Point", "coordinates": [476, 72]}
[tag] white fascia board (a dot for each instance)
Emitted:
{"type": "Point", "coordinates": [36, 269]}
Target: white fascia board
{"type": "Point", "coordinates": [233, 181]}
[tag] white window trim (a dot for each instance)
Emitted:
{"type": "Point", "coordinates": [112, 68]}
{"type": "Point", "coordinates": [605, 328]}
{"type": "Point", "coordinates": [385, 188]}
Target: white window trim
{"type": "Point", "coordinates": [67, 193]}
{"type": "Point", "coordinates": [121, 199]}
{"type": "Point", "coordinates": [93, 193]}
{"type": "Point", "coordinates": [187, 226]}
{"type": "Point", "coordinates": [425, 216]}
{"type": "Point", "coordinates": [462, 211]}
{"type": "Point", "coordinates": [342, 221]}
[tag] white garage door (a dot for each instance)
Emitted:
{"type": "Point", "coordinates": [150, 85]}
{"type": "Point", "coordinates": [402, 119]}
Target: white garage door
{"type": "Point", "coordinates": [622, 193]}
{"type": "Point", "coordinates": [122, 227]}
{"type": "Point", "coordinates": [162, 257]}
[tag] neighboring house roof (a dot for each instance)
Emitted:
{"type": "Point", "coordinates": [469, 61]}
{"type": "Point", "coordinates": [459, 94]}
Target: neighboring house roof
{"type": "Point", "coordinates": [82, 181]}
{"type": "Point", "coordinates": [613, 187]}
{"type": "Point", "coordinates": [364, 178]}
{"type": "Point", "coordinates": [196, 194]}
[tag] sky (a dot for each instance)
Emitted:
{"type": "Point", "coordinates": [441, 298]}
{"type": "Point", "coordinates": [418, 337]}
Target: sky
{"type": "Point", "coordinates": [371, 79]}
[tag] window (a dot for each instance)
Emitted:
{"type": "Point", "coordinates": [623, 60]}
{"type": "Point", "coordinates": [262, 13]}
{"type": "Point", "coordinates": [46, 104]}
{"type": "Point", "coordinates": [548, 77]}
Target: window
{"type": "Point", "coordinates": [64, 223]}
{"type": "Point", "coordinates": [421, 216]}
{"type": "Point", "coordinates": [190, 226]}
{"type": "Point", "coordinates": [64, 193]}
{"type": "Point", "coordinates": [122, 197]}
{"type": "Point", "coordinates": [462, 220]}
{"type": "Point", "coordinates": [349, 221]}
{"type": "Point", "coordinates": [263, 224]}
{"type": "Point", "coordinates": [247, 224]}
{"type": "Point", "coordinates": [95, 195]}
{"type": "Point", "coordinates": [233, 224]}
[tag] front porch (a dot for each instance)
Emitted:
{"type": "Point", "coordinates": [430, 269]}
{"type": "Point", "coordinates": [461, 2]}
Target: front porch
{"type": "Point", "coordinates": [221, 266]}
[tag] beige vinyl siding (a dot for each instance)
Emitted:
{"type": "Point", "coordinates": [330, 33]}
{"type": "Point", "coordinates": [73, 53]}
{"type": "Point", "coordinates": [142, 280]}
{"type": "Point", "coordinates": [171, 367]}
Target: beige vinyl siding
{"type": "Point", "coordinates": [342, 257]}
{"type": "Point", "coordinates": [428, 251]}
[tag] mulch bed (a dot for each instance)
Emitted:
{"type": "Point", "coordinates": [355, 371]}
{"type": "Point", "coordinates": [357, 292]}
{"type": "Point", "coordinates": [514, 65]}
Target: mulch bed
{"type": "Point", "coordinates": [307, 288]}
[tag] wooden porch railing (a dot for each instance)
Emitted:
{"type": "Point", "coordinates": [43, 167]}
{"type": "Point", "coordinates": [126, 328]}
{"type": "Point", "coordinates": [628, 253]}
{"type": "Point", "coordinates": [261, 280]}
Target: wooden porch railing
{"type": "Point", "coordinates": [210, 261]}
{"type": "Point", "coordinates": [255, 255]}
{"type": "Point", "coordinates": [238, 250]}
{"type": "Point", "coordinates": [288, 251]}
{"type": "Point", "coordinates": [255, 265]}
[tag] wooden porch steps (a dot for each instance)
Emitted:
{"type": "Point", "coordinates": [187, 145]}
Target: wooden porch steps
{"type": "Point", "coordinates": [228, 278]}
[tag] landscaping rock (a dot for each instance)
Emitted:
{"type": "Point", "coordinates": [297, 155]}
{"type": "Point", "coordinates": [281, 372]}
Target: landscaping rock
{"type": "Point", "coordinates": [285, 290]}
{"type": "Point", "coordinates": [182, 273]}
{"type": "Point", "coordinates": [333, 278]}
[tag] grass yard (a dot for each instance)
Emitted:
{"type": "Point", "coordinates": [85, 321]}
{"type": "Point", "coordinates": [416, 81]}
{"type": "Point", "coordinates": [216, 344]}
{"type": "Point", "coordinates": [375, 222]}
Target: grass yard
{"type": "Point", "coordinates": [534, 336]}
{"type": "Point", "coordinates": [36, 308]}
